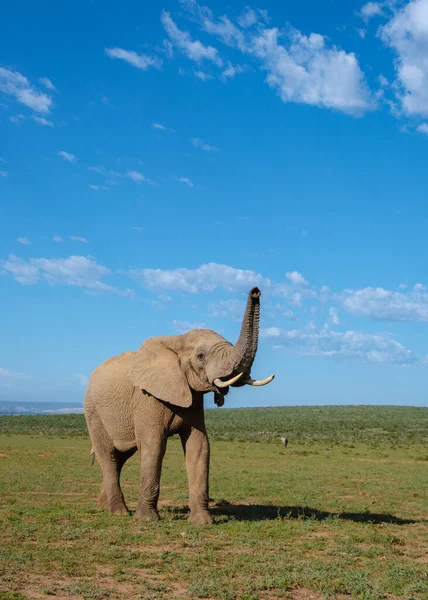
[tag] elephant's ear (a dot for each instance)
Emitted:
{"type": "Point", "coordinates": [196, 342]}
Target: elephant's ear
{"type": "Point", "coordinates": [156, 369]}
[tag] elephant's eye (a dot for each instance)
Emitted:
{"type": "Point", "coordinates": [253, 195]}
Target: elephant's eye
{"type": "Point", "coordinates": [201, 355]}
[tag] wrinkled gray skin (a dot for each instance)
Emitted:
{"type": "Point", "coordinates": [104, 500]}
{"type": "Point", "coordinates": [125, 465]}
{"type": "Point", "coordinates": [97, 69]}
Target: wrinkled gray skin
{"type": "Point", "coordinates": [136, 400]}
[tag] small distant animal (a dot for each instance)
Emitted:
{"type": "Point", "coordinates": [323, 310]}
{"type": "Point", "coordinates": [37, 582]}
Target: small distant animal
{"type": "Point", "coordinates": [284, 441]}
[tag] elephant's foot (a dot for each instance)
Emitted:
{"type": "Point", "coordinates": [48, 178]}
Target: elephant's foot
{"type": "Point", "coordinates": [146, 514]}
{"type": "Point", "coordinates": [116, 507]}
{"type": "Point", "coordinates": [200, 517]}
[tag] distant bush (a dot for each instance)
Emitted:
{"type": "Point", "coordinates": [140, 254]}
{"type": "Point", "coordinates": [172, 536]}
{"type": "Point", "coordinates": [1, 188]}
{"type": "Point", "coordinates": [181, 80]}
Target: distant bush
{"type": "Point", "coordinates": [69, 424]}
{"type": "Point", "coordinates": [328, 424]}
{"type": "Point", "coordinates": [344, 425]}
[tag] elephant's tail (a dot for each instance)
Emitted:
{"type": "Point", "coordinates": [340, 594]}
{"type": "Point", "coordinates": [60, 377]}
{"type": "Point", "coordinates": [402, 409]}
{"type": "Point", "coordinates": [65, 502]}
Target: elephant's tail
{"type": "Point", "coordinates": [92, 454]}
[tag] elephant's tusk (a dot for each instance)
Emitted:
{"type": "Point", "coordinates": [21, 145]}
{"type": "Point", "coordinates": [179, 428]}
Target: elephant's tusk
{"type": "Point", "coordinates": [257, 382]}
{"type": "Point", "coordinates": [222, 384]}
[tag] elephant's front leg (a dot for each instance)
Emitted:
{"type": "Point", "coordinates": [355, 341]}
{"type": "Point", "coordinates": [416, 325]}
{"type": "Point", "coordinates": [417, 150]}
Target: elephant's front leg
{"type": "Point", "coordinates": [197, 450]}
{"type": "Point", "coordinates": [151, 453]}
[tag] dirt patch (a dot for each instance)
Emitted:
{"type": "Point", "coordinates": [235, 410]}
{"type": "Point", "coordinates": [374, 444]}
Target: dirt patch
{"type": "Point", "coordinates": [3, 455]}
{"type": "Point", "coordinates": [45, 587]}
{"type": "Point", "coordinates": [47, 494]}
{"type": "Point", "coordinates": [304, 594]}
{"type": "Point", "coordinates": [145, 548]}
{"type": "Point", "coordinates": [422, 560]}
{"type": "Point", "coordinates": [387, 460]}
{"type": "Point", "coordinates": [169, 503]}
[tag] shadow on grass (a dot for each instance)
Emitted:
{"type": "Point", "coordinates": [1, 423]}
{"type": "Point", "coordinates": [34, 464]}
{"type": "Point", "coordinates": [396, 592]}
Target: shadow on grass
{"type": "Point", "coordinates": [261, 512]}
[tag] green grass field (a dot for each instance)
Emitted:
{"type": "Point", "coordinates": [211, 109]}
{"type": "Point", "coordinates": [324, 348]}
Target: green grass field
{"type": "Point", "coordinates": [341, 512]}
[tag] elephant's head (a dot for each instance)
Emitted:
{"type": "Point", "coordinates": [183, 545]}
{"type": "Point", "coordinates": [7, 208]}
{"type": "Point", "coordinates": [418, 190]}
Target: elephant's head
{"type": "Point", "coordinates": [170, 367]}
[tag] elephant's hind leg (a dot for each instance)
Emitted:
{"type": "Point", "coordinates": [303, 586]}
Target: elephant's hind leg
{"type": "Point", "coordinates": [111, 462]}
{"type": "Point", "coordinates": [114, 501]}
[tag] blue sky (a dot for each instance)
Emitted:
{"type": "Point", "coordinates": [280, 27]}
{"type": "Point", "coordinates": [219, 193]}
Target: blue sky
{"type": "Point", "coordinates": [158, 159]}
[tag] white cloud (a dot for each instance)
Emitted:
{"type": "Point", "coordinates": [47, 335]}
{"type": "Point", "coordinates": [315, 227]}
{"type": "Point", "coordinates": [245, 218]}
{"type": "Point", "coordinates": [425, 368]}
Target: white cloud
{"type": "Point", "coordinates": [296, 299]}
{"type": "Point", "coordinates": [273, 311]}
{"type": "Point", "coordinates": [83, 379]}
{"type": "Point", "coordinates": [103, 171]}
{"type": "Point", "coordinates": [16, 119]}
{"type": "Point", "coordinates": [3, 173]}
{"type": "Point", "coordinates": [67, 156]}
{"type": "Point", "coordinates": [185, 180]}
{"type": "Point", "coordinates": [14, 84]}
{"type": "Point", "coordinates": [312, 341]}
{"type": "Point", "coordinates": [194, 50]}
{"type": "Point", "coordinates": [381, 304]}
{"type": "Point", "coordinates": [295, 291]}
{"type": "Point", "coordinates": [76, 238]}
{"type": "Point", "coordinates": [58, 239]}
{"type": "Point", "coordinates": [168, 48]}
{"type": "Point", "coordinates": [138, 228]}
{"type": "Point", "coordinates": [300, 68]}
{"type": "Point", "coordinates": [407, 34]}
{"type": "Point", "coordinates": [204, 279]}
{"type": "Point", "coordinates": [231, 70]}
{"type": "Point", "coordinates": [198, 143]}
{"type": "Point", "coordinates": [231, 308]}
{"type": "Point", "coordinates": [371, 9]}
{"type": "Point", "coordinates": [80, 271]}
{"type": "Point", "coordinates": [47, 83]}
{"type": "Point", "coordinates": [423, 128]}
{"type": "Point", "coordinates": [419, 287]}
{"type": "Point", "coordinates": [140, 61]}
{"type": "Point", "coordinates": [98, 188]}
{"type": "Point", "coordinates": [162, 127]}
{"type": "Point", "coordinates": [224, 29]}
{"type": "Point", "coordinates": [23, 240]}
{"type": "Point", "coordinates": [296, 278]}
{"type": "Point", "coordinates": [6, 374]}
{"type": "Point", "coordinates": [185, 326]}
{"type": "Point", "coordinates": [137, 177]}
{"type": "Point", "coordinates": [383, 82]}
{"type": "Point", "coordinates": [307, 71]}
{"type": "Point", "coordinates": [109, 174]}
{"type": "Point", "coordinates": [248, 18]}
{"type": "Point", "coordinates": [333, 316]}
{"type": "Point", "coordinates": [202, 75]}
{"type": "Point", "coordinates": [43, 121]}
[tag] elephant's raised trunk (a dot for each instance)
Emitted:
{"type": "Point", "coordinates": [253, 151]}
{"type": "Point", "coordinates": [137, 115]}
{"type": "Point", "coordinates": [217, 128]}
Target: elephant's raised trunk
{"type": "Point", "coordinates": [241, 356]}
{"type": "Point", "coordinates": [246, 346]}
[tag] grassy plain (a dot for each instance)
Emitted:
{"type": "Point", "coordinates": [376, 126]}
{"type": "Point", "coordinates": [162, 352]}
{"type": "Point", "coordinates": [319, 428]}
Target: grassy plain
{"type": "Point", "coordinates": [341, 512]}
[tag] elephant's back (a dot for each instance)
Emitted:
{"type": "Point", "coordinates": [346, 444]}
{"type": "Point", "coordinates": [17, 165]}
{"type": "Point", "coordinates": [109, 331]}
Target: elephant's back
{"type": "Point", "coordinates": [117, 362]}
{"type": "Point", "coordinates": [112, 377]}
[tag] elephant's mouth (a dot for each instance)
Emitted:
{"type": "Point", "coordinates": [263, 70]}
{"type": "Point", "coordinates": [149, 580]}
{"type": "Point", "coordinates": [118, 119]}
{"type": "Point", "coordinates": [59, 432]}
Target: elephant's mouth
{"type": "Point", "coordinates": [221, 385]}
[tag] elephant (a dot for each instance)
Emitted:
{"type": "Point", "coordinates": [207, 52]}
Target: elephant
{"type": "Point", "coordinates": [136, 400]}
